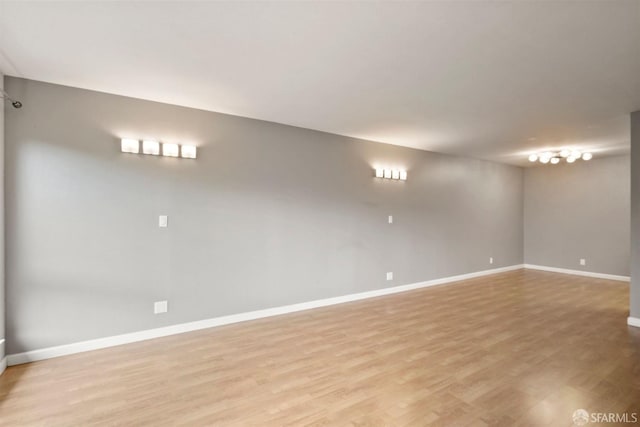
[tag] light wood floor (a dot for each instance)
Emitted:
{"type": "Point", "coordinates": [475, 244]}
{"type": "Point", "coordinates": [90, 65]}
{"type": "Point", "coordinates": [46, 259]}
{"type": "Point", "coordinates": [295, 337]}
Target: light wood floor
{"type": "Point", "coordinates": [519, 348]}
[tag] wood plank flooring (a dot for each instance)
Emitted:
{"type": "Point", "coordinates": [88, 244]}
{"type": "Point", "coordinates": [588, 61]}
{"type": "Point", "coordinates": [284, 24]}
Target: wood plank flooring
{"type": "Point", "coordinates": [519, 348]}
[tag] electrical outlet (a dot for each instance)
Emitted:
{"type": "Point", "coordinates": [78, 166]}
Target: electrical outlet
{"type": "Point", "coordinates": [390, 219]}
{"type": "Point", "coordinates": [163, 221]}
{"type": "Point", "coordinates": [390, 275]}
{"type": "Point", "coordinates": [583, 261]}
{"type": "Point", "coordinates": [490, 260]}
{"type": "Point", "coordinates": [160, 307]}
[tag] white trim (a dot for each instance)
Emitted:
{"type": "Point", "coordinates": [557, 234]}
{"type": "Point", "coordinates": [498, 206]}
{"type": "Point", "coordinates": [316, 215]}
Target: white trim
{"type": "Point", "coordinates": [578, 272]}
{"type": "Point", "coordinates": [63, 350]}
{"type": "Point", "coordinates": [633, 321]}
{"type": "Point", "coordinates": [3, 361]}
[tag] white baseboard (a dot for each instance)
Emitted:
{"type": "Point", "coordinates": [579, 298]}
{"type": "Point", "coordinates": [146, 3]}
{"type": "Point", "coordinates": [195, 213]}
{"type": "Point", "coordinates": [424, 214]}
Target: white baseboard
{"type": "Point", "coordinates": [633, 321]}
{"type": "Point", "coordinates": [578, 272]}
{"type": "Point", "coordinates": [63, 350]}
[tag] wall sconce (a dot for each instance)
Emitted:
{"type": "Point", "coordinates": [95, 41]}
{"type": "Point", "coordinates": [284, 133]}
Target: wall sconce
{"type": "Point", "coordinates": [130, 145]}
{"type": "Point", "coordinates": [398, 174]}
{"type": "Point", "coordinates": [188, 151]}
{"type": "Point", "coordinates": [170, 150]}
{"type": "Point", "coordinates": [151, 147]}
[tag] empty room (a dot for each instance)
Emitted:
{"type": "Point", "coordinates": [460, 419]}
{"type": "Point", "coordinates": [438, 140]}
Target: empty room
{"type": "Point", "coordinates": [306, 213]}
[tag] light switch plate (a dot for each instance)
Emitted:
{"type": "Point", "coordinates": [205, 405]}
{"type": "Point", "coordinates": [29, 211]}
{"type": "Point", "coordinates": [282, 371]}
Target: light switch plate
{"type": "Point", "coordinates": [160, 307]}
{"type": "Point", "coordinates": [583, 261]}
{"type": "Point", "coordinates": [390, 219]}
{"type": "Point", "coordinates": [163, 221]}
{"type": "Point", "coordinates": [390, 275]}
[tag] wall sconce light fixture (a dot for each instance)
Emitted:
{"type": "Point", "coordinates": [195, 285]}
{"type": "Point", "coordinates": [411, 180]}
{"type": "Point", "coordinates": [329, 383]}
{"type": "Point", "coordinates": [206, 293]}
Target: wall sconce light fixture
{"type": "Point", "coordinates": [154, 148]}
{"type": "Point", "coordinates": [398, 174]}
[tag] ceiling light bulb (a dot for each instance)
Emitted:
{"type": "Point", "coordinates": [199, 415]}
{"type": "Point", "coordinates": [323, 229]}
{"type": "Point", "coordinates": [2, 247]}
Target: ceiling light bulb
{"type": "Point", "coordinates": [533, 157]}
{"type": "Point", "coordinates": [576, 154]}
{"type": "Point", "coordinates": [571, 159]}
{"type": "Point", "coordinates": [565, 153]}
{"type": "Point", "coordinates": [555, 160]}
{"type": "Point", "coordinates": [544, 159]}
{"type": "Point", "coordinates": [587, 156]}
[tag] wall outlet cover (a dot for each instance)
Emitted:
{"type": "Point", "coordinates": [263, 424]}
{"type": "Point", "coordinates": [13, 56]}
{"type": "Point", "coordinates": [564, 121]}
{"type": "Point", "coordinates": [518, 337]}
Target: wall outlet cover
{"type": "Point", "coordinates": [390, 219]}
{"type": "Point", "coordinates": [583, 261]}
{"type": "Point", "coordinates": [490, 260]}
{"type": "Point", "coordinates": [160, 307]}
{"type": "Point", "coordinates": [390, 275]}
{"type": "Point", "coordinates": [163, 221]}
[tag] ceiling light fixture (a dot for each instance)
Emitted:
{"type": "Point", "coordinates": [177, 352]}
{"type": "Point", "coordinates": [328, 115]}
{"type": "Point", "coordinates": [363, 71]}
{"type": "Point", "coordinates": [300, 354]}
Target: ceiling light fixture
{"type": "Point", "coordinates": [554, 157]}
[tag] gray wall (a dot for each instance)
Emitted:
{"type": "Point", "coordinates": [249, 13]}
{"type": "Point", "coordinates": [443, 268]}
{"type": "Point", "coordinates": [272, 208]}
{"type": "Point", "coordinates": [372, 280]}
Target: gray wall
{"type": "Point", "coordinates": [267, 215]}
{"type": "Point", "coordinates": [635, 215]}
{"type": "Point", "coordinates": [578, 210]}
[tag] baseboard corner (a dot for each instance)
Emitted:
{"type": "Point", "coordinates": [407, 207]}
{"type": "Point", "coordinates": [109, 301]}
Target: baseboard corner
{"type": "Point", "coordinates": [633, 321]}
{"type": "Point", "coordinates": [578, 272]}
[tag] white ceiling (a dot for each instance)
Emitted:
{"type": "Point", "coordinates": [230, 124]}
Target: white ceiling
{"type": "Point", "coordinates": [493, 80]}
